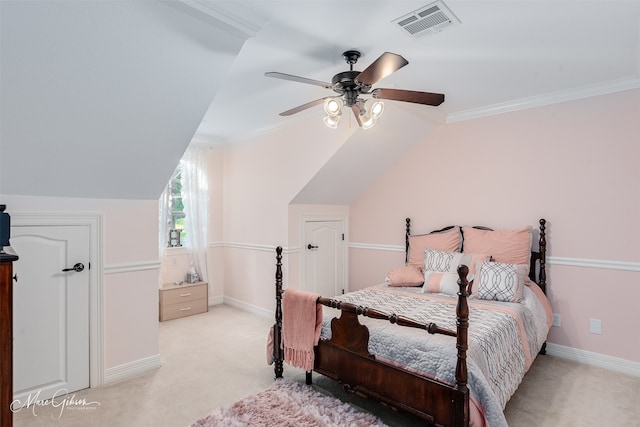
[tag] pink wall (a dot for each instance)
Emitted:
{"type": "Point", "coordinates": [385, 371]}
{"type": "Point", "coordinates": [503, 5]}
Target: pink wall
{"type": "Point", "coordinates": [573, 163]}
{"type": "Point", "coordinates": [260, 178]}
{"type": "Point", "coordinates": [130, 264]}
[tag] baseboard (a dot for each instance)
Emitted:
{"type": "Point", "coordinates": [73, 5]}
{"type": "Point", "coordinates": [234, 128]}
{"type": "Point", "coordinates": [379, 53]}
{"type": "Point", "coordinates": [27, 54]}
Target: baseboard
{"type": "Point", "coordinates": [131, 369]}
{"type": "Point", "coordinates": [216, 301]}
{"type": "Point", "coordinates": [262, 312]}
{"type": "Point", "coordinates": [594, 359]}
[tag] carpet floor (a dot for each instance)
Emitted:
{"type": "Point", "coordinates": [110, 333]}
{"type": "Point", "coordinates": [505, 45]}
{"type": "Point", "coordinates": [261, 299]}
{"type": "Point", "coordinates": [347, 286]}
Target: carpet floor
{"type": "Point", "coordinates": [217, 358]}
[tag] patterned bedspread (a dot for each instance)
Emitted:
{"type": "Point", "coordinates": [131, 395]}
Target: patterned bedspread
{"type": "Point", "coordinates": [504, 338]}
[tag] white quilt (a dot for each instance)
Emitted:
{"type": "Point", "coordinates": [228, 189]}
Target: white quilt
{"type": "Point", "coordinates": [504, 338]}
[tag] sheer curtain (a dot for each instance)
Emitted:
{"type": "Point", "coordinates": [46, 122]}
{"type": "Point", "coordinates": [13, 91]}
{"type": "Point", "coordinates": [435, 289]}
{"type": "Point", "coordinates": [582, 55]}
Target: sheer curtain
{"type": "Point", "coordinates": [163, 234]}
{"type": "Point", "coordinates": [195, 197]}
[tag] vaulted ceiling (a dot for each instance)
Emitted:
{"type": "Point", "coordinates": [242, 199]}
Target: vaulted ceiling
{"type": "Point", "coordinates": [100, 99]}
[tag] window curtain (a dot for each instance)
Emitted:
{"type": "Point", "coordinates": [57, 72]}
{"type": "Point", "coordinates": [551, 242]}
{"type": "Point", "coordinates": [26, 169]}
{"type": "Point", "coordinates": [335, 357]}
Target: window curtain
{"type": "Point", "coordinates": [195, 197]}
{"type": "Point", "coordinates": [163, 234]}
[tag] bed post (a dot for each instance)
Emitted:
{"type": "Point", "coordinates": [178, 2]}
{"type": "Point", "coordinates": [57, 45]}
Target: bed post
{"type": "Point", "coordinates": [277, 328]}
{"type": "Point", "coordinates": [406, 240]}
{"type": "Point", "coordinates": [542, 277]}
{"type": "Point", "coordinates": [462, 329]}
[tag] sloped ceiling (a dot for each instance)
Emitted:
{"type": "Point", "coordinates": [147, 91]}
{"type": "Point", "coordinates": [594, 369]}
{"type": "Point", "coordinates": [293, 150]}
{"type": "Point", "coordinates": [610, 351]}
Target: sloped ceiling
{"type": "Point", "coordinates": [100, 99]}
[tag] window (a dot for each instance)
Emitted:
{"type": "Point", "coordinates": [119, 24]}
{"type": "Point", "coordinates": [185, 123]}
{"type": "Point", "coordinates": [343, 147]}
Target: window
{"type": "Point", "coordinates": [175, 209]}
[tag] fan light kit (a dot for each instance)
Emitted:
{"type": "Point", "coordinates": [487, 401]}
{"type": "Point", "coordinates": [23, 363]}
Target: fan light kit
{"type": "Point", "coordinates": [351, 84]}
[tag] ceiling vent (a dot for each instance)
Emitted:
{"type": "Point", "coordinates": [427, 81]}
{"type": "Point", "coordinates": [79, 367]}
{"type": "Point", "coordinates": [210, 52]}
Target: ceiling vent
{"type": "Point", "coordinates": [429, 19]}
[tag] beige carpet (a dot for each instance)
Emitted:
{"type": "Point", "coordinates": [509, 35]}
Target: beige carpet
{"type": "Point", "coordinates": [217, 358]}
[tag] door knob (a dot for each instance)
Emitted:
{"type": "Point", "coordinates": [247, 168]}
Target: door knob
{"type": "Point", "coordinates": [310, 246]}
{"type": "Point", "coordinates": [78, 268]}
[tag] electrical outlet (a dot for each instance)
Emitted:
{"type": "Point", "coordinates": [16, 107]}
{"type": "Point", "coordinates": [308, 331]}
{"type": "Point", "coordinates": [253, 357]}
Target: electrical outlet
{"type": "Point", "coordinates": [595, 326]}
{"type": "Point", "coordinates": [556, 320]}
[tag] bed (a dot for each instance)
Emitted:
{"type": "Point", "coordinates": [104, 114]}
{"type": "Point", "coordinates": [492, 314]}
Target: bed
{"type": "Point", "coordinates": [452, 350]}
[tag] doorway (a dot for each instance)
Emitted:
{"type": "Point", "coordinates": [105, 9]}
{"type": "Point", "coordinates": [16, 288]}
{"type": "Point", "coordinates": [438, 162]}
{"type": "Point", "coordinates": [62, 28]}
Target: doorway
{"type": "Point", "coordinates": [324, 257]}
{"type": "Point", "coordinates": [57, 327]}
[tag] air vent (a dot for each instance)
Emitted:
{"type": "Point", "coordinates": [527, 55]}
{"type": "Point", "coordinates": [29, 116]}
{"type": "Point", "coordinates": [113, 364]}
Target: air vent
{"type": "Point", "coordinates": [429, 19]}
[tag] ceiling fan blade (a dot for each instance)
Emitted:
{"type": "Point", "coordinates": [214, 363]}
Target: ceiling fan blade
{"type": "Point", "coordinates": [426, 98]}
{"type": "Point", "coordinates": [388, 63]}
{"type": "Point", "coordinates": [290, 77]}
{"type": "Point", "coordinates": [303, 107]}
{"type": "Point", "coordinates": [356, 112]}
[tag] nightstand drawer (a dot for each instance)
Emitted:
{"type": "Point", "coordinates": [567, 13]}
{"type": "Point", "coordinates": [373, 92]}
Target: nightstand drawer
{"type": "Point", "coordinates": [183, 300]}
{"type": "Point", "coordinates": [182, 309]}
{"type": "Point", "coordinates": [187, 293]}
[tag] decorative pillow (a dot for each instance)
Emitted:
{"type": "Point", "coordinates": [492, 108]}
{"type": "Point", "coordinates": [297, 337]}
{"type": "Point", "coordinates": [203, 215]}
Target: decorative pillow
{"type": "Point", "coordinates": [450, 240]}
{"type": "Point", "coordinates": [405, 276]}
{"type": "Point", "coordinates": [441, 283]}
{"type": "Point", "coordinates": [441, 270]}
{"type": "Point", "coordinates": [500, 282]}
{"type": "Point", "coordinates": [506, 246]}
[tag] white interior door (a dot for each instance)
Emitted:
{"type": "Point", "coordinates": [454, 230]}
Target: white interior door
{"type": "Point", "coordinates": [51, 311]}
{"type": "Point", "coordinates": [324, 257]}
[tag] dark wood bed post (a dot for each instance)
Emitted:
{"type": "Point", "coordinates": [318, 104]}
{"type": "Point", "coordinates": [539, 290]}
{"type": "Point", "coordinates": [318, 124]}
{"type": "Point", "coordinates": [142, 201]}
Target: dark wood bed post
{"type": "Point", "coordinates": [462, 329]}
{"type": "Point", "coordinates": [542, 277]}
{"type": "Point", "coordinates": [277, 328]}
{"type": "Point", "coordinates": [406, 240]}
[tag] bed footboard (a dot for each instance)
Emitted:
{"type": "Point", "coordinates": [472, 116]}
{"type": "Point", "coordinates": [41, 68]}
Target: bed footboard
{"type": "Point", "coordinates": [346, 358]}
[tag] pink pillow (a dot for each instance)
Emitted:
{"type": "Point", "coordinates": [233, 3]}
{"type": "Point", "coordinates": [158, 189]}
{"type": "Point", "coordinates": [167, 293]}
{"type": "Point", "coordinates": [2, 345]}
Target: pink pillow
{"type": "Point", "coordinates": [405, 276]}
{"type": "Point", "coordinates": [505, 246]}
{"type": "Point", "coordinates": [449, 241]}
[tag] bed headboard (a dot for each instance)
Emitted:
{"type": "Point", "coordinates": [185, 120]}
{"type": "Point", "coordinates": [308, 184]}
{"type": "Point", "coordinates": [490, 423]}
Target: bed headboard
{"type": "Point", "coordinates": [537, 262]}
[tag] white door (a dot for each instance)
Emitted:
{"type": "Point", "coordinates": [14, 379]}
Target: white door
{"type": "Point", "coordinates": [51, 311]}
{"type": "Point", "coordinates": [324, 257]}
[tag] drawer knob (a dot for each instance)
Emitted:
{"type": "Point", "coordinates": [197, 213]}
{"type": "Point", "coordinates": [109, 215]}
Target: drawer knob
{"type": "Point", "coordinates": [185, 295]}
{"type": "Point", "coordinates": [185, 309]}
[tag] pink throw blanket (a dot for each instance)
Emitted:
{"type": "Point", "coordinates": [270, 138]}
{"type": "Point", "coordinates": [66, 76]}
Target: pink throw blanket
{"type": "Point", "coordinates": [301, 326]}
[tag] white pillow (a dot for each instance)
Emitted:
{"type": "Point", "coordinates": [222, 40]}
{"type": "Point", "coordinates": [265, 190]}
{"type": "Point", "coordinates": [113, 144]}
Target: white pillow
{"type": "Point", "coordinates": [441, 270]}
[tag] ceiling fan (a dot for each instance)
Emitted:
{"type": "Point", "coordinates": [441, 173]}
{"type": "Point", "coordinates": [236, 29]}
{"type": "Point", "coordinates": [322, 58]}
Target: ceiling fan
{"type": "Point", "coordinates": [350, 85]}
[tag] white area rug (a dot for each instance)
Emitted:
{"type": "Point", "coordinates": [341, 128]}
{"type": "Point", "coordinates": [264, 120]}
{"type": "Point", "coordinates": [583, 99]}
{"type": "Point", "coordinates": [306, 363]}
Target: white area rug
{"type": "Point", "coordinates": [291, 404]}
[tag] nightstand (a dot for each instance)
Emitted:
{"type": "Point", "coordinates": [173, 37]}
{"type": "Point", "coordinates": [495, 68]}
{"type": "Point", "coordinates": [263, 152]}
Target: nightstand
{"type": "Point", "coordinates": [183, 300]}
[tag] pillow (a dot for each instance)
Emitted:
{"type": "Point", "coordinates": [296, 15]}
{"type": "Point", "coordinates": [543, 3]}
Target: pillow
{"type": "Point", "coordinates": [505, 246]}
{"type": "Point", "coordinates": [450, 240]}
{"type": "Point", "coordinates": [441, 270]}
{"type": "Point", "coordinates": [405, 276]}
{"type": "Point", "coordinates": [441, 283]}
{"type": "Point", "coordinates": [500, 282]}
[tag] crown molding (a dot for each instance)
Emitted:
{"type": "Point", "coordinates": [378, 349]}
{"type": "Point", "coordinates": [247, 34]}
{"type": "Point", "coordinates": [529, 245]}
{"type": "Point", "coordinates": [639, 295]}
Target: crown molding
{"type": "Point", "coordinates": [628, 83]}
{"type": "Point", "coordinates": [212, 13]}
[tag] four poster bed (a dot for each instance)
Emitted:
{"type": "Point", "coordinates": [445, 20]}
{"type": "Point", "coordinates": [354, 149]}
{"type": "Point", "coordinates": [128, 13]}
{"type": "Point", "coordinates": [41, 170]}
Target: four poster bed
{"type": "Point", "coordinates": [482, 304]}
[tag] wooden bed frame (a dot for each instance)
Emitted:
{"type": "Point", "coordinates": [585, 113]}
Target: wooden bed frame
{"type": "Point", "coordinates": [346, 359]}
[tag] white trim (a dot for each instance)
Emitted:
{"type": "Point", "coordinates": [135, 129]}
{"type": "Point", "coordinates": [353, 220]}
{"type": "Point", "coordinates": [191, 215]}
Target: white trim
{"type": "Point", "coordinates": [218, 17]}
{"type": "Point", "coordinates": [573, 262]}
{"type": "Point", "coordinates": [595, 263]}
{"type": "Point", "coordinates": [96, 303]}
{"type": "Point", "coordinates": [262, 312]}
{"type": "Point", "coordinates": [594, 359]}
{"type": "Point", "coordinates": [376, 247]}
{"type": "Point", "coordinates": [131, 267]}
{"type": "Point", "coordinates": [253, 247]}
{"type": "Point", "coordinates": [131, 369]}
{"type": "Point", "coordinates": [628, 83]}
{"type": "Point", "coordinates": [215, 300]}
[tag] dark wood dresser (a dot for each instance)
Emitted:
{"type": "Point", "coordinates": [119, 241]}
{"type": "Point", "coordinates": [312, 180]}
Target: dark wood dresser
{"type": "Point", "coordinates": [7, 258]}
